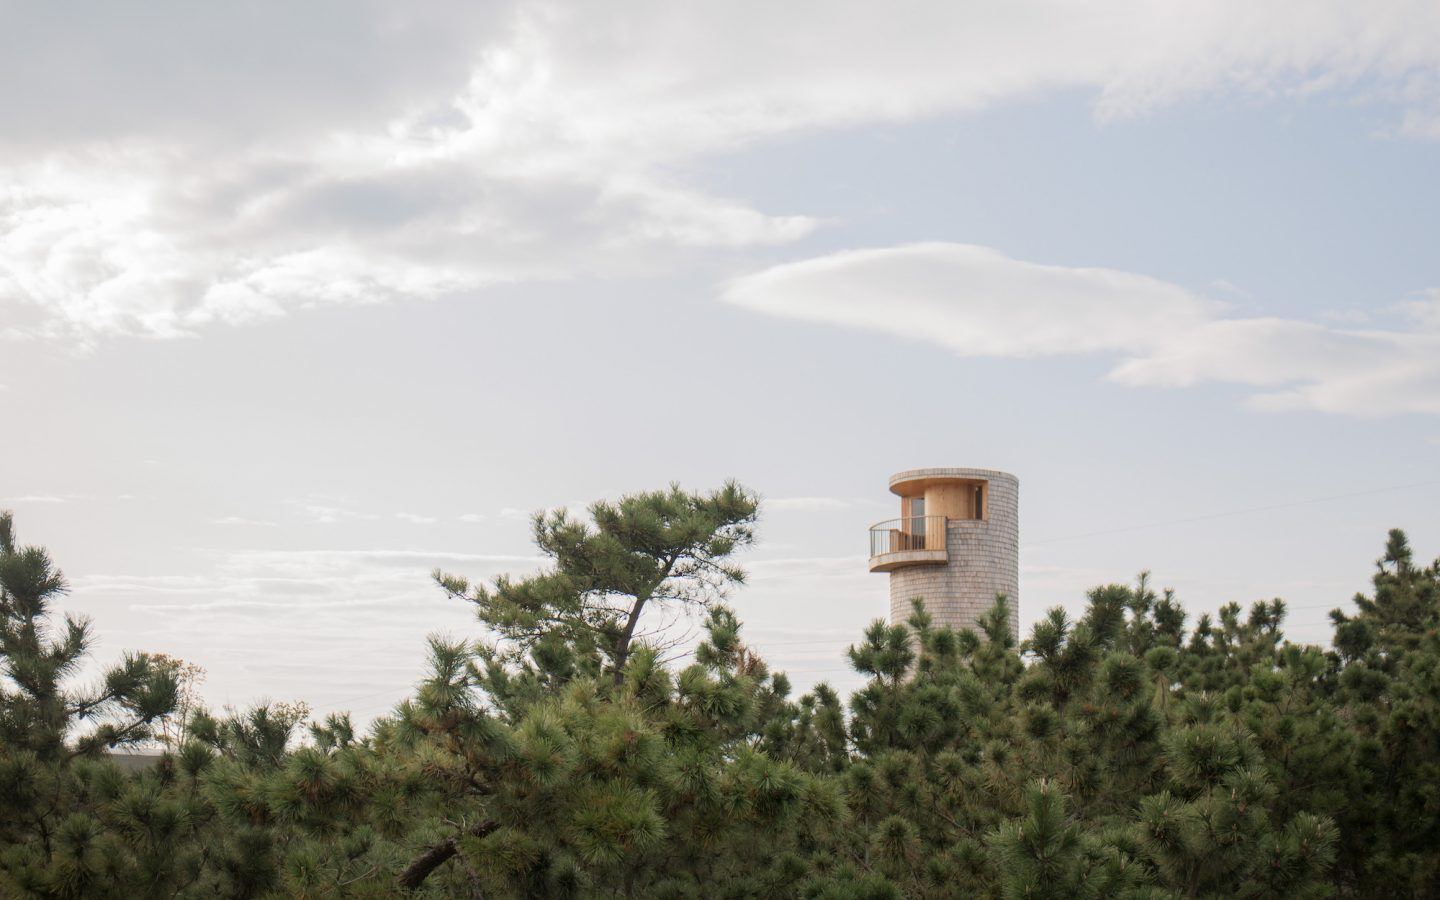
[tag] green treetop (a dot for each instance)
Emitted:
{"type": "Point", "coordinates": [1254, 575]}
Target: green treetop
{"type": "Point", "coordinates": [646, 552]}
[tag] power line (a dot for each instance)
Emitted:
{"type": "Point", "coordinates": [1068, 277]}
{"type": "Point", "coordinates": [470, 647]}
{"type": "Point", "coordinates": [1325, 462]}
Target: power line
{"type": "Point", "coordinates": [829, 642]}
{"type": "Point", "coordinates": [1235, 512]}
{"type": "Point", "coordinates": [855, 639]}
{"type": "Point", "coordinates": [335, 703]}
{"type": "Point", "coordinates": [1132, 528]}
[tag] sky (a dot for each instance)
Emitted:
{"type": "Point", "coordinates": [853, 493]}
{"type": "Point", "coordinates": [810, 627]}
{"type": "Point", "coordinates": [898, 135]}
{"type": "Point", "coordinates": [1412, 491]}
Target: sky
{"type": "Point", "coordinates": [300, 302]}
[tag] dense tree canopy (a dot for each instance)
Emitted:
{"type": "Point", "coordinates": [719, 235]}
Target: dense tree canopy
{"type": "Point", "coordinates": [1120, 753]}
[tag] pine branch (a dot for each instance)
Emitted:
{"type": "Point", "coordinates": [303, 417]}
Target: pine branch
{"type": "Point", "coordinates": [435, 857]}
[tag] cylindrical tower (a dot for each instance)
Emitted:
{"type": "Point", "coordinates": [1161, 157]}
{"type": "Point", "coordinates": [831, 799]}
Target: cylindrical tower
{"type": "Point", "coordinates": [956, 545]}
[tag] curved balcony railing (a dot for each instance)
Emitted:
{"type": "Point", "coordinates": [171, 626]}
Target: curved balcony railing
{"type": "Point", "coordinates": [913, 533]}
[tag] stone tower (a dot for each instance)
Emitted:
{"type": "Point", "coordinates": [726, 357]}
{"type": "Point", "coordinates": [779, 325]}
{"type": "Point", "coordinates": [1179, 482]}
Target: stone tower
{"type": "Point", "coordinates": [955, 546]}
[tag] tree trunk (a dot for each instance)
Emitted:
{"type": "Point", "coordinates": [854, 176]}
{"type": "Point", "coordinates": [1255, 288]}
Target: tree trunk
{"type": "Point", "coordinates": [622, 646]}
{"type": "Point", "coordinates": [421, 866]}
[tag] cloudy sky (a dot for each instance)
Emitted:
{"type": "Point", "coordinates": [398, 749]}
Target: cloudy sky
{"type": "Point", "coordinates": [298, 302]}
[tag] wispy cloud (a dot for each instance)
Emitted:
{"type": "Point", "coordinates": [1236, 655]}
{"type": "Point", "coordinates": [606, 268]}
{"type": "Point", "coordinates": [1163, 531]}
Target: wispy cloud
{"type": "Point", "coordinates": [977, 302]}
{"type": "Point", "coordinates": [1229, 287]}
{"type": "Point", "coordinates": [241, 520]}
{"type": "Point", "coordinates": [483, 144]}
{"type": "Point", "coordinates": [1424, 311]}
{"type": "Point", "coordinates": [813, 504]}
{"type": "Point", "coordinates": [311, 614]}
{"type": "Point", "coordinates": [470, 518]}
{"type": "Point", "coordinates": [298, 580]}
{"type": "Point", "coordinates": [38, 498]}
{"type": "Point", "coordinates": [414, 519]}
{"type": "Point", "coordinates": [325, 513]}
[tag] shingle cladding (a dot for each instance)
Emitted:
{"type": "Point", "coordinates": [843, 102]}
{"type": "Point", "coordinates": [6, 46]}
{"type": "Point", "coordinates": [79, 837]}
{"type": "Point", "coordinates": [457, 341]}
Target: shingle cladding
{"type": "Point", "coordinates": [984, 560]}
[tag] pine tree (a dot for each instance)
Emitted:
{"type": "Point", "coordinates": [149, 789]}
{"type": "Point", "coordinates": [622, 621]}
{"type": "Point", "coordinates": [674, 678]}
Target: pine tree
{"type": "Point", "coordinates": [659, 549]}
{"type": "Point", "coordinates": [1388, 693]}
{"type": "Point", "coordinates": [1111, 753]}
{"type": "Point", "coordinates": [54, 782]}
{"type": "Point", "coordinates": [587, 792]}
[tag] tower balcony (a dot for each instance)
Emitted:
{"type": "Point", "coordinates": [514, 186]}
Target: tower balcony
{"type": "Point", "coordinates": [911, 541]}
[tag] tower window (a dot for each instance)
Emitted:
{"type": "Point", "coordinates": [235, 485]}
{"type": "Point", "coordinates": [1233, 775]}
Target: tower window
{"type": "Point", "coordinates": [914, 524]}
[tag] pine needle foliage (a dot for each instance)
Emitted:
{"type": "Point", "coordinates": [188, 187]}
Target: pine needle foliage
{"type": "Point", "coordinates": [654, 551]}
{"type": "Point", "coordinates": [571, 751]}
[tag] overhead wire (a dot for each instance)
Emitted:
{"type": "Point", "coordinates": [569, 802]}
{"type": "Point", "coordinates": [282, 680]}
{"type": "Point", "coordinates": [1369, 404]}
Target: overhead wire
{"type": "Point", "coordinates": [831, 642]}
{"type": "Point", "coordinates": [1235, 512]}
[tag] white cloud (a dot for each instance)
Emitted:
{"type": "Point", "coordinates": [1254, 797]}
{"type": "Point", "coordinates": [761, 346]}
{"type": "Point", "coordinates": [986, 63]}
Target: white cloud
{"type": "Point", "coordinates": [1229, 287]}
{"type": "Point", "coordinates": [1306, 366]}
{"type": "Point", "coordinates": [307, 623]}
{"type": "Point", "coordinates": [325, 512]}
{"type": "Point", "coordinates": [414, 519]}
{"type": "Point", "coordinates": [471, 517]}
{"type": "Point", "coordinates": [1351, 317]}
{"type": "Point", "coordinates": [431, 151]}
{"type": "Point", "coordinates": [809, 504]}
{"type": "Point", "coordinates": [1425, 311]}
{"type": "Point", "coordinates": [306, 560]}
{"type": "Point", "coordinates": [975, 301]}
{"type": "Point", "coordinates": [241, 520]}
{"type": "Point", "coordinates": [37, 498]}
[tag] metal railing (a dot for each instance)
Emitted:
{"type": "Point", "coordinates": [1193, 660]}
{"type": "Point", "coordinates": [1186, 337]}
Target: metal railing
{"type": "Point", "coordinates": [913, 533]}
